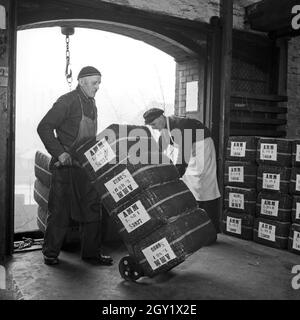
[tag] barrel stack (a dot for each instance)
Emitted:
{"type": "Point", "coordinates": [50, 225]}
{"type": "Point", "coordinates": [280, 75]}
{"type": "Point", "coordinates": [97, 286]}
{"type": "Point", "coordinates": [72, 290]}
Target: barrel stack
{"type": "Point", "coordinates": [240, 187]}
{"type": "Point", "coordinates": [294, 236]}
{"type": "Point", "coordinates": [154, 211]}
{"type": "Point", "coordinates": [274, 204]}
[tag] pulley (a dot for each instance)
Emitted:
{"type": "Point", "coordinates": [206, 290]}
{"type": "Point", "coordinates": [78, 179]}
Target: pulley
{"type": "Point", "coordinates": [68, 31]}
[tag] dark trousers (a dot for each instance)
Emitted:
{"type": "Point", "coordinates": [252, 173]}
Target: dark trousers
{"type": "Point", "coordinates": [90, 234]}
{"type": "Point", "coordinates": [72, 196]}
{"type": "Point", "coordinates": [212, 209]}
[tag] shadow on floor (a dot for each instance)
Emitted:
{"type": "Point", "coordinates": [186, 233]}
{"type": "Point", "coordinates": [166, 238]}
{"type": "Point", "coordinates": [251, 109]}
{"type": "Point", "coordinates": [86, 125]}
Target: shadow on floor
{"type": "Point", "coordinates": [230, 269]}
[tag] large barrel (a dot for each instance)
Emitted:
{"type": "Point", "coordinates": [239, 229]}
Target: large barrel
{"type": "Point", "coordinates": [152, 208]}
{"type": "Point", "coordinates": [272, 178]}
{"type": "Point", "coordinates": [274, 151]}
{"type": "Point", "coordinates": [42, 168]}
{"type": "Point", "coordinates": [271, 233]}
{"type": "Point", "coordinates": [172, 243]}
{"type": "Point", "coordinates": [113, 145]}
{"type": "Point", "coordinates": [124, 181]}
{"type": "Point", "coordinates": [240, 174]}
{"type": "Point", "coordinates": [294, 239]}
{"type": "Point", "coordinates": [41, 194]}
{"type": "Point", "coordinates": [241, 200]}
{"type": "Point", "coordinates": [274, 206]}
{"type": "Point", "coordinates": [241, 148]}
{"type": "Point", "coordinates": [239, 225]}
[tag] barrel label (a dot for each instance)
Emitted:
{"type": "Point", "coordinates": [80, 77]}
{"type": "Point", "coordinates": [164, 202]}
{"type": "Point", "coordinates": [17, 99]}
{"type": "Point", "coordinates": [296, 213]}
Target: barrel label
{"type": "Point", "coordinates": [234, 225]}
{"type": "Point", "coordinates": [298, 152]}
{"type": "Point", "coordinates": [134, 216]}
{"type": "Point", "coordinates": [271, 181]}
{"type": "Point", "coordinates": [121, 185]}
{"type": "Point", "coordinates": [268, 151]}
{"type": "Point", "coordinates": [236, 200]}
{"type": "Point", "coordinates": [100, 154]}
{"type": "Point", "coordinates": [298, 210]}
{"type": "Point", "coordinates": [269, 207]}
{"type": "Point", "coordinates": [266, 231]}
{"type": "Point", "coordinates": [297, 182]}
{"type": "Point", "coordinates": [237, 149]}
{"type": "Point", "coordinates": [296, 240]}
{"type": "Point", "coordinates": [159, 253]}
{"type": "Point", "coordinates": [236, 174]}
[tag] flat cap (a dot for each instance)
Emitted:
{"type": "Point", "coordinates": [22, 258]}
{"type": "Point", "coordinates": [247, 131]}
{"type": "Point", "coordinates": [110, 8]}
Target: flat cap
{"type": "Point", "coordinates": [152, 114]}
{"type": "Point", "coordinates": [88, 71]}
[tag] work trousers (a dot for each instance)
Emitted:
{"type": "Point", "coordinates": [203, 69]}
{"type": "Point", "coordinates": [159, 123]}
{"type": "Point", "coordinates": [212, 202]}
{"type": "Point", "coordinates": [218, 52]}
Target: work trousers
{"type": "Point", "coordinates": [72, 196]}
{"type": "Point", "coordinates": [212, 209]}
{"type": "Point", "coordinates": [90, 235]}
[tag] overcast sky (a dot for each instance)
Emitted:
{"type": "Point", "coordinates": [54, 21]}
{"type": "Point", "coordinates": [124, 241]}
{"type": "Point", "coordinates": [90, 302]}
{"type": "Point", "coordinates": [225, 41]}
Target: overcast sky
{"type": "Point", "coordinates": [134, 75]}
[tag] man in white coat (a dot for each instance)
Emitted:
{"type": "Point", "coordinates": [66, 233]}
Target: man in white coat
{"type": "Point", "coordinates": [190, 146]}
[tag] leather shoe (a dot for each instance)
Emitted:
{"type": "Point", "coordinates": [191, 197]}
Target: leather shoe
{"type": "Point", "coordinates": [100, 260]}
{"type": "Point", "coordinates": [50, 261]}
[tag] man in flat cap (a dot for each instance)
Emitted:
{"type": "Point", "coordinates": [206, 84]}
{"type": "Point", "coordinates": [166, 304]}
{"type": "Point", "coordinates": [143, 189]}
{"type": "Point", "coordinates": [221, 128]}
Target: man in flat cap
{"type": "Point", "coordinates": [190, 146]}
{"type": "Point", "coordinates": [71, 121]}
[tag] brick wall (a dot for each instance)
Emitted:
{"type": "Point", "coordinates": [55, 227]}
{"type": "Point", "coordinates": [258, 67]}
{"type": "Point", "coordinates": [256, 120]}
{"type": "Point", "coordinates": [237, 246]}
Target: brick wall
{"type": "Point", "coordinates": [293, 88]}
{"type": "Point", "coordinates": [200, 10]}
{"type": "Point", "coordinates": [185, 71]}
{"type": "Point", "coordinates": [190, 70]}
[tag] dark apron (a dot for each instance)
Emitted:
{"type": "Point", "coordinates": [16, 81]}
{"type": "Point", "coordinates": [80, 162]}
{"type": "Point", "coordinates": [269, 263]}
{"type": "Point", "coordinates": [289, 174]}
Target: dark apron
{"type": "Point", "coordinates": [71, 194]}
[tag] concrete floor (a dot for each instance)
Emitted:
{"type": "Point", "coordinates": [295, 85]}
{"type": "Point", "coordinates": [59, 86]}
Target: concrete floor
{"type": "Point", "coordinates": [230, 269]}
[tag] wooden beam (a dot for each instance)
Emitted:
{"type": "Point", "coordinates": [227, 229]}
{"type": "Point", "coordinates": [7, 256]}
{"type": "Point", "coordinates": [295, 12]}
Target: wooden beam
{"type": "Point", "coordinates": [267, 121]}
{"type": "Point", "coordinates": [257, 132]}
{"type": "Point", "coordinates": [257, 108]}
{"type": "Point", "coordinates": [7, 112]}
{"type": "Point", "coordinates": [263, 97]}
{"type": "Point", "coordinates": [226, 16]}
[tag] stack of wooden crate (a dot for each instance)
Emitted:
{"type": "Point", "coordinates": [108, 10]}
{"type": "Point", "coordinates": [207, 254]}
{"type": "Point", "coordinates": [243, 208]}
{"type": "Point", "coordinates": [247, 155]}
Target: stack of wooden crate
{"type": "Point", "coordinates": [240, 187]}
{"type": "Point", "coordinates": [274, 204]}
{"type": "Point", "coordinates": [294, 236]}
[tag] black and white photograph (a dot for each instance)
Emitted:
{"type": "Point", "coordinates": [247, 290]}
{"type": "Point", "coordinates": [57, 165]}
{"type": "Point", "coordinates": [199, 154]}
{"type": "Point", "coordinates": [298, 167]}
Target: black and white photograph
{"type": "Point", "coordinates": [150, 155]}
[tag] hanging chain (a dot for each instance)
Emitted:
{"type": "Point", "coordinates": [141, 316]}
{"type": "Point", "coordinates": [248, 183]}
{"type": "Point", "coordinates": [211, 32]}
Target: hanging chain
{"type": "Point", "coordinates": [68, 72]}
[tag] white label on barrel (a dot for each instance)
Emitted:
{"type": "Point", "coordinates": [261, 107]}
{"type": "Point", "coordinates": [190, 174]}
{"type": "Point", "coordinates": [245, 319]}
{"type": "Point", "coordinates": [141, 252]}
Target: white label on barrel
{"type": "Point", "coordinates": [269, 207]}
{"type": "Point", "coordinates": [266, 231]}
{"type": "Point", "coordinates": [236, 174]}
{"type": "Point", "coordinates": [134, 216]}
{"type": "Point", "coordinates": [298, 152]}
{"type": "Point", "coordinates": [298, 210]}
{"type": "Point", "coordinates": [236, 200]}
{"type": "Point", "coordinates": [296, 240]}
{"type": "Point", "coordinates": [297, 182]}
{"type": "Point", "coordinates": [238, 149]}
{"type": "Point", "coordinates": [271, 181]}
{"type": "Point", "coordinates": [268, 151]}
{"type": "Point", "coordinates": [234, 225]}
{"type": "Point", "coordinates": [159, 253]}
{"type": "Point", "coordinates": [100, 154]}
{"type": "Point", "coordinates": [121, 185]}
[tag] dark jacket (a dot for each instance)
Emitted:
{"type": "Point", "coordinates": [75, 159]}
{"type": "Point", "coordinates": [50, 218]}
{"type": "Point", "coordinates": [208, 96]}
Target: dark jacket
{"type": "Point", "coordinates": [185, 123]}
{"type": "Point", "coordinates": [63, 119]}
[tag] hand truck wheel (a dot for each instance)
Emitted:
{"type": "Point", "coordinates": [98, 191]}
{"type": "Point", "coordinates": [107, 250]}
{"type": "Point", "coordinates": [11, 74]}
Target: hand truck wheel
{"type": "Point", "coordinates": [129, 269]}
